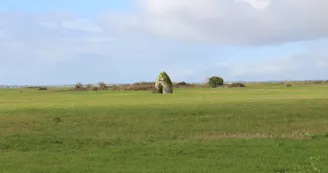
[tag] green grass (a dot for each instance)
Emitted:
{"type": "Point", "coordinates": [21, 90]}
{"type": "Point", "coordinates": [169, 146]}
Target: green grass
{"type": "Point", "coordinates": [262, 128]}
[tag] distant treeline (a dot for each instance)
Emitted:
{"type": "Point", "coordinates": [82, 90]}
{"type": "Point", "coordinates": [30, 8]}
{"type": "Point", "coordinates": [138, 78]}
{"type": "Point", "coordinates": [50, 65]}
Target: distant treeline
{"type": "Point", "coordinates": [145, 86]}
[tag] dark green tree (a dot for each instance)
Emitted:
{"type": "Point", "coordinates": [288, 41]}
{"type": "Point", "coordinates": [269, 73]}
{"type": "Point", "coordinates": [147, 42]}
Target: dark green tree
{"type": "Point", "coordinates": [215, 81]}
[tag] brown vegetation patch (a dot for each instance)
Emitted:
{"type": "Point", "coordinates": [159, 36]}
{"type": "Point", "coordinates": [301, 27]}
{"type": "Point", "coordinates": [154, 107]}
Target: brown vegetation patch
{"type": "Point", "coordinates": [95, 88]}
{"type": "Point", "coordinates": [43, 88]}
{"type": "Point", "coordinates": [79, 87]}
{"type": "Point", "coordinates": [182, 85]}
{"type": "Point", "coordinates": [102, 86]}
{"type": "Point", "coordinates": [288, 85]}
{"type": "Point", "coordinates": [235, 85]}
{"type": "Point", "coordinates": [140, 86]}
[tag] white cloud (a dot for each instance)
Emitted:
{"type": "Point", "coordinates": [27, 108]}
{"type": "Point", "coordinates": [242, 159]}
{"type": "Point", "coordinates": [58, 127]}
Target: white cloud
{"type": "Point", "coordinates": [58, 39]}
{"type": "Point", "coordinates": [229, 22]}
{"type": "Point", "coordinates": [38, 46]}
{"type": "Point", "coordinates": [311, 65]}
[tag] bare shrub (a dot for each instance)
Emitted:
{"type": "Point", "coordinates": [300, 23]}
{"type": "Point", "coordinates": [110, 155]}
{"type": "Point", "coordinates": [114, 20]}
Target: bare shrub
{"type": "Point", "coordinates": [43, 88]}
{"type": "Point", "coordinates": [238, 85]}
{"type": "Point", "coordinates": [227, 86]}
{"type": "Point", "coordinates": [144, 83]}
{"type": "Point", "coordinates": [317, 82]}
{"type": "Point", "coordinates": [94, 88]}
{"type": "Point", "coordinates": [182, 85]}
{"type": "Point", "coordinates": [145, 87]}
{"type": "Point", "coordinates": [235, 85]}
{"type": "Point", "coordinates": [102, 86]}
{"type": "Point", "coordinates": [288, 84]}
{"type": "Point", "coordinates": [140, 86]}
{"type": "Point", "coordinates": [89, 87]}
{"type": "Point", "coordinates": [79, 87]}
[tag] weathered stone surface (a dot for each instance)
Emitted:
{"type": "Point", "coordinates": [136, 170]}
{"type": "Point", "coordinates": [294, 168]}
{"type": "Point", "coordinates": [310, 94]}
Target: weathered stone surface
{"type": "Point", "coordinates": [163, 84]}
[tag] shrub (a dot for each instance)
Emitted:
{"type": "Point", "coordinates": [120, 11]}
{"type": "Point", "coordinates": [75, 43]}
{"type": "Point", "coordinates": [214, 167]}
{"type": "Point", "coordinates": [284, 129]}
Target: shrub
{"type": "Point", "coordinates": [79, 87]}
{"type": "Point", "coordinates": [102, 86]}
{"type": "Point", "coordinates": [238, 85]}
{"type": "Point", "coordinates": [144, 83]}
{"type": "Point", "coordinates": [288, 85]}
{"type": "Point", "coordinates": [145, 87]}
{"type": "Point", "coordinates": [182, 85]}
{"type": "Point", "coordinates": [215, 81]}
{"type": "Point", "coordinates": [141, 86]}
{"type": "Point", "coordinates": [33, 87]}
{"type": "Point", "coordinates": [89, 86]}
{"type": "Point", "coordinates": [43, 88]}
{"type": "Point", "coordinates": [94, 88]}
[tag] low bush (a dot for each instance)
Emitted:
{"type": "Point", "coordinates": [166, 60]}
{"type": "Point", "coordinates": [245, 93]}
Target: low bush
{"type": "Point", "coordinates": [182, 85]}
{"type": "Point", "coordinates": [238, 85]}
{"type": "Point", "coordinates": [94, 88]}
{"type": "Point", "coordinates": [288, 84]}
{"type": "Point", "coordinates": [102, 86]}
{"type": "Point", "coordinates": [89, 87]}
{"type": "Point", "coordinates": [79, 87]}
{"type": "Point", "coordinates": [43, 88]}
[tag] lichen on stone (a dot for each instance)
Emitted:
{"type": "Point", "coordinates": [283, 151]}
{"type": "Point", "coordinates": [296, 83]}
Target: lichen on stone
{"type": "Point", "coordinates": [164, 77]}
{"type": "Point", "coordinates": [164, 84]}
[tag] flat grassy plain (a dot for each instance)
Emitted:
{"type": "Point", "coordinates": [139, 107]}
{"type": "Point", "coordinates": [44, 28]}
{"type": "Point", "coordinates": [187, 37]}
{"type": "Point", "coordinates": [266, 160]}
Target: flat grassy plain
{"type": "Point", "coordinates": [259, 129]}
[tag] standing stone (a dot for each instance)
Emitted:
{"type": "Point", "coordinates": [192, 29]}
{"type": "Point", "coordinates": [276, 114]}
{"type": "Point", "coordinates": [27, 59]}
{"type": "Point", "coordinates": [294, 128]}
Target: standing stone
{"type": "Point", "coordinates": [163, 84]}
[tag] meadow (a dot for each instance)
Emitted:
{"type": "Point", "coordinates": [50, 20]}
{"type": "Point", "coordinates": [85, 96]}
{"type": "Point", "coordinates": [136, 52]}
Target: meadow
{"type": "Point", "coordinates": [262, 128]}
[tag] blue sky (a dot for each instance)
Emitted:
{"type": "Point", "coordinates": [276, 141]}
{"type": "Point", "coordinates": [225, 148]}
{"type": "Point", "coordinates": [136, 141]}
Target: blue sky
{"type": "Point", "coordinates": [69, 41]}
{"type": "Point", "coordinates": [82, 8]}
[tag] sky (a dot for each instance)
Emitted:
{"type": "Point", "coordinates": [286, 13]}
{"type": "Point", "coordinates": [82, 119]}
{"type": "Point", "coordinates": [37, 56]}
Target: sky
{"type": "Point", "coordinates": [68, 41]}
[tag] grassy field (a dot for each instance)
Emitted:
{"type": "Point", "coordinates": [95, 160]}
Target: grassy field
{"type": "Point", "coordinates": [258, 129]}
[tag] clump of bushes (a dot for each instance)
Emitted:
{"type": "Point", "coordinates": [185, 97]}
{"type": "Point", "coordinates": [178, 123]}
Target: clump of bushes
{"type": "Point", "coordinates": [141, 86]}
{"type": "Point", "coordinates": [182, 85]}
{"type": "Point", "coordinates": [238, 85]}
{"type": "Point", "coordinates": [94, 88]}
{"type": "Point", "coordinates": [288, 84]}
{"type": "Point", "coordinates": [235, 85]}
{"type": "Point", "coordinates": [102, 86]}
{"type": "Point", "coordinates": [79, 87]}
{"type": "Point", "coordinates": [316, 81]}
{"type": "Point", "coordinates": [215, 81]}
{"type": "Point", "coordinates": [33, 87]}
{"type": "Point", "coordinates": [43, 88]}
{"type": "Point", "coordinates": [89, 87]}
